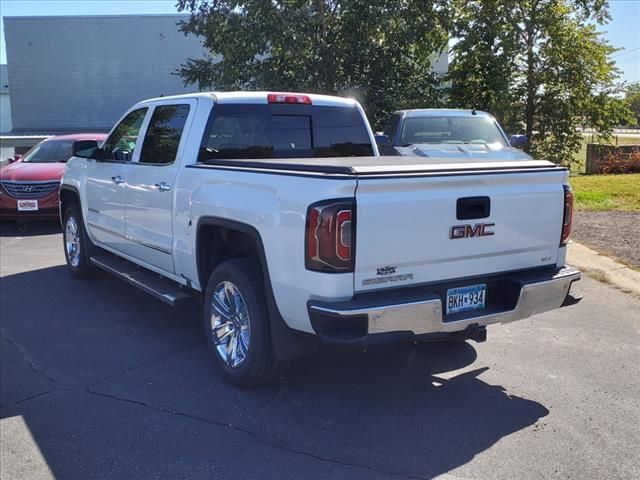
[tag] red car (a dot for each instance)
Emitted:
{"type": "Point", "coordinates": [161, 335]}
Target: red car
{"type": "Point", "coordinates": [30, 185]}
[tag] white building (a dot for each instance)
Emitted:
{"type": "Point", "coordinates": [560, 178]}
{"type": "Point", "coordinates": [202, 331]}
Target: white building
{"type": "Point", "coordinates": [80, 73]}
{"type": "Point", "coordinates": [5, 101]}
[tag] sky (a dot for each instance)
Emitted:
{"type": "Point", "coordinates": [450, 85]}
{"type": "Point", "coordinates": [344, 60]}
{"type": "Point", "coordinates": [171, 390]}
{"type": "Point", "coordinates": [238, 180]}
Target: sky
{"type": "Point", "coordinates": [622, 32]}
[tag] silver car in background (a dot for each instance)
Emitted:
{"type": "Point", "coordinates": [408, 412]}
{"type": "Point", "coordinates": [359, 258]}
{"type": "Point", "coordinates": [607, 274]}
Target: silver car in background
{"type": "Point", "coordinates": [450, 133]}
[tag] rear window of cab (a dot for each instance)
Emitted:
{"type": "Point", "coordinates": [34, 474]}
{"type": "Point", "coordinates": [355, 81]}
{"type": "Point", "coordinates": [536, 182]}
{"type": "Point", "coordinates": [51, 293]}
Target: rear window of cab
{"type": "Point", "coordinates": [245, 131]}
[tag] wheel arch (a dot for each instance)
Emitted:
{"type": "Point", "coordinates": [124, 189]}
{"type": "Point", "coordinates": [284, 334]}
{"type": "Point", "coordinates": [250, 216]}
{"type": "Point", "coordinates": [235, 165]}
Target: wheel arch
{"type": "Point", "coordinates": [288, 343]}
{"type": "Point", "coordinates": [68, 195]}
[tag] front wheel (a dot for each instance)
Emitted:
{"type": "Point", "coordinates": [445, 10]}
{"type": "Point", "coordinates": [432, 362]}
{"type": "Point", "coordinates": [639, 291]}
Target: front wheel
{"type": "Point", "coordinates": [236, 324]}
{"type": "Point", "coordinates": [76, 243]}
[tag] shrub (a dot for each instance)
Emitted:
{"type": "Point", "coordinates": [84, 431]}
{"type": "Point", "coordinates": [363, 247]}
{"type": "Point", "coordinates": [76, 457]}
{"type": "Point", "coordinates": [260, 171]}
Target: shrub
{"type": "Point", "coordinates": [620, 162]}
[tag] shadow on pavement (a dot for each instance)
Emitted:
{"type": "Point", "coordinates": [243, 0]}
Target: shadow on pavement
{"type": "Point", "coordinates": [112, 383]}
{"type": "Point", "coordinates": [28, 228]}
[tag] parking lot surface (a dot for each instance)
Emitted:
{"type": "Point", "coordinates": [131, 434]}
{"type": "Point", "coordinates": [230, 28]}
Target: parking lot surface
{"type": "Point", "coordinates": [99, 380]}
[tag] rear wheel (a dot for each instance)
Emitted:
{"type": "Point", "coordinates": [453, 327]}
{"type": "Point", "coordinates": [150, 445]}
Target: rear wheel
{"type": "Point", "coordinates": [236, 323]}
{"type": "Point", "coordinates": [77, 245]}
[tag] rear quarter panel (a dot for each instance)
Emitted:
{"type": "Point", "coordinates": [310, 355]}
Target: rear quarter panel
{"type": "Point", "coordinates": [276, 206]}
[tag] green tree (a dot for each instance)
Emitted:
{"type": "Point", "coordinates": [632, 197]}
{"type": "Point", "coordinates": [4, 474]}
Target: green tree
{"type": "Point", "coordinates": [632, 99]}
{"type": "Point", "coordinates": [540, 65]}
{"type": "Point", "coordinates": [378, 52]}
{"type": "Point", "coordinates": [482, 68]}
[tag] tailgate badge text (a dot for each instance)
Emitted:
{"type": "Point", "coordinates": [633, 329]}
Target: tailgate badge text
{"type": "Point", "coordinates": [471, 231]}
{"type": "Point", "coordinates": [388, 270]}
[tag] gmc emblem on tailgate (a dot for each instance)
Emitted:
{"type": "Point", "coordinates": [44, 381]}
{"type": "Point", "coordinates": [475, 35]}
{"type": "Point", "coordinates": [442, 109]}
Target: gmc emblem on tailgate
{"type": "Point", "coordinates": [469, 231]}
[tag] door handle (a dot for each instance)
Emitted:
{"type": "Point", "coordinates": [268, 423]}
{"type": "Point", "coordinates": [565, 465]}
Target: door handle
{"type": "Point", "coordinates": [117, 179]}
{"type": "Point", "coordinates": [163, 186]}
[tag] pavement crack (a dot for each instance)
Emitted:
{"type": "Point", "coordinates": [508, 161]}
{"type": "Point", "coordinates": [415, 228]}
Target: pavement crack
{"type": "Point", "coordinates": [27, 358]}
{"type": "Point", "coordinates": [255, 436]}
{"type": "Point", "coordinates": [37, 395]}
{"type": "Point", "coordinates": [143, 364]}
{"type": "Point", "coordinates": [114, 397]}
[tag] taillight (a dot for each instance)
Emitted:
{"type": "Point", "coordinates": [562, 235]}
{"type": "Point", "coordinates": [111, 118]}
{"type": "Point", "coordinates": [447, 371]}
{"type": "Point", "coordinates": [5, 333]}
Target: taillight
{"type": "Point", "coordinates": [330, 236]}
{"type": "Point", "coordinates": [288, 98]}
{"type": "Point", "coordinates": [567, 217]}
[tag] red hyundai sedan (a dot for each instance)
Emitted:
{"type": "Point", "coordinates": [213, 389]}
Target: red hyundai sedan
{"type": "Point", "coordinates": [30, 185]}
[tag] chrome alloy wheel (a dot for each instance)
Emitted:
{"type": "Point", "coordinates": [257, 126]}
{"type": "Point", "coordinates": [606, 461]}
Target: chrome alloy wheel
{"type": "Point", "coordinates": [230, 324]}
{"type": "Point", "coordinates": [72, 241]}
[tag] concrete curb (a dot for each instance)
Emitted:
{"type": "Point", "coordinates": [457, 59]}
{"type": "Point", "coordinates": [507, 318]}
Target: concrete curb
{"type": "Point", "coordinates": [602, 266]}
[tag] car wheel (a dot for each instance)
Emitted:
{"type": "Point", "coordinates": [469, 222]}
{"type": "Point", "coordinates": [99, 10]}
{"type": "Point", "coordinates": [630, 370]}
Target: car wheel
{"type": "Point", "coordinates": [236, 324]}
{"type": "Point", "coordinates": [77, 246]}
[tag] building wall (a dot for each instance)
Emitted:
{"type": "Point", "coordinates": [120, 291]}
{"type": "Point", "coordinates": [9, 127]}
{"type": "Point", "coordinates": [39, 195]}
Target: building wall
{"type": "Point", "coordinates": [5, 101]}
{"type": "Point", "coordinates": [440, 63]}
{"type": "Point", "coordinates": [81, 73]}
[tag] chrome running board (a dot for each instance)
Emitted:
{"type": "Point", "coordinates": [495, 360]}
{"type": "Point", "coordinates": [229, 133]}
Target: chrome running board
{"type": "Point", "coordinates": [149, 282]}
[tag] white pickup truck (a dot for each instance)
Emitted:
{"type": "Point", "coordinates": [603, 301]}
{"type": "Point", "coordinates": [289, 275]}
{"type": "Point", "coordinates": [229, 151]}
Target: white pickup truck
{"type": "Point", "coordinates": [279, 210]}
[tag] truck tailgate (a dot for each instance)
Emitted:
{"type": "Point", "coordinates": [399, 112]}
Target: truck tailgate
{"type": "Point", "coordinates": [404, 225]}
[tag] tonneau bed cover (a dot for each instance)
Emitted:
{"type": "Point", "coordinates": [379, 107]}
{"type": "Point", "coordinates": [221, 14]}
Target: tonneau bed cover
{"type": "Point", "coordinates": [377, 166]}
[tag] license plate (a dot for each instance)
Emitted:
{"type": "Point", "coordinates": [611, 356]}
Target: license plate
{"type": "Point", "coordinates": [27, 205]}
{"type": "Point", "coordinates": [463, 299]}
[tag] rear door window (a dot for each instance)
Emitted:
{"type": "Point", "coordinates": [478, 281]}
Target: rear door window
{"type": "Point", "coordinates": [237, 131]}
{"type": "Point", "coordinates": [163, 135]}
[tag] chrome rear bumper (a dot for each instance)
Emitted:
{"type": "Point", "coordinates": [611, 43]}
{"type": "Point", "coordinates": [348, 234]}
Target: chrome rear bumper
{"type": "Point", "coordinates": [419, 310]}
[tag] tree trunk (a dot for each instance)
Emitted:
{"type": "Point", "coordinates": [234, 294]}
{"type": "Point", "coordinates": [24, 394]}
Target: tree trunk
{"type": "Point", "coordinates": [532, 86]}
{"type": "Point", "coordinates": [324, 73]}
{"type": "Point", "coordinates": [531, 91]}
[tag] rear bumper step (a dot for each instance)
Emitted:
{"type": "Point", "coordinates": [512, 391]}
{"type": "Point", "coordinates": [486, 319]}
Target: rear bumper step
{"type": "Point", "coordinates": [415, 311]}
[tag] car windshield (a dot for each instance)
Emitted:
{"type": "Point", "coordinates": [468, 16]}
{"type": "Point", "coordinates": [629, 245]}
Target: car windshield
{"type": "Point", "coordinates": [449, 129]}
{"type": "Point", "coordinates": [50, 151]}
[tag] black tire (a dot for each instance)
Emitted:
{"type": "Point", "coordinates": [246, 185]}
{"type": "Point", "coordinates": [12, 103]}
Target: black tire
{"type": "Point", "coordinates": [259, 365]}
{"type": "Point", "coordinates": [78, 264]}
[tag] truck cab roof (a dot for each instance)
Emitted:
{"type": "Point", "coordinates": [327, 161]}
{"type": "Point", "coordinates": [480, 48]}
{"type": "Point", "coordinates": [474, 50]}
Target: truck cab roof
{"type": "Point", "coordinates": [258, 98]}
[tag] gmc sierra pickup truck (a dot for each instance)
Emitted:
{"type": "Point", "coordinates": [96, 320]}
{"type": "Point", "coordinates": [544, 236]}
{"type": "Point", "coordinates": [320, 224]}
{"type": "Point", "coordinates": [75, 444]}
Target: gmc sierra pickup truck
{"type": "Point", "coordinates": [277, 210]}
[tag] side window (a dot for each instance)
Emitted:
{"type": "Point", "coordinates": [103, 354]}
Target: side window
{"type": "Point", "coordinates": [121, 143]}
{"type": "Point", "coordinates": [163, 134]}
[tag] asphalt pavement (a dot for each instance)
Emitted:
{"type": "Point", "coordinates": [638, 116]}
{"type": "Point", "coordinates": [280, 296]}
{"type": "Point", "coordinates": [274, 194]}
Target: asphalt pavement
{"type": "Point", "coordinates": [100, 381]}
